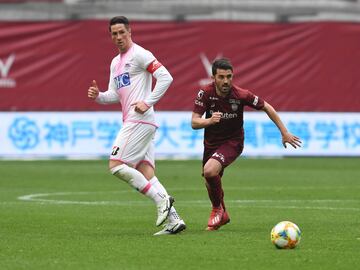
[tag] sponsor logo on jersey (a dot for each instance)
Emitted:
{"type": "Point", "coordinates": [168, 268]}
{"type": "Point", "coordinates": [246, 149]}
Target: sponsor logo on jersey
{"type": "Point", "coordinates": [213, 98]}
{"type": "Point", "coordinates": [219, 155]}
{"type": "Point", "coordinates": [127, 66]}
{"type": "Point", "coordinates": [5, 66]}
{"type": "Point", "coordinates": [198, 102]}
{"type": "Point", "coordinates": [256, 100]}
{"type": "Point", "coordinates": [226, 115]}
{"type": "Point", "coordinates": [200, 94]}
{"type": "Point", "coordinates": [122, 80]}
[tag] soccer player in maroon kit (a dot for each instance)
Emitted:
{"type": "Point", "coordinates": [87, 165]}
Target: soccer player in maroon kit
{"type": "Point", "coordinates": [224, 105]}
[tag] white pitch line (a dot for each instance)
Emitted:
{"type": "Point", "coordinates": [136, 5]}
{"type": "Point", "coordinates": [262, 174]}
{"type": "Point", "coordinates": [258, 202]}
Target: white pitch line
{"type": "Point", "coordinates": [39, 198]}
{"type": "Point", "coordinates": [199, 203]}
{"type": "Point", "coordinates": [35, 197]}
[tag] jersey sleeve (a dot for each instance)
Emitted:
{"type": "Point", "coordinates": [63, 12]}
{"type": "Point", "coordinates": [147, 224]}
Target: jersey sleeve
{"type": "Point", "coordinates": [148, 61]}
{"type": "Point", "coordinates": [254, 101]}
{"type": "Point", "coordinates": [163, 81]}
{"type": "Point", "coordinates": [200, 102]}
{"type": "Point", "coordinates": [112, 85]}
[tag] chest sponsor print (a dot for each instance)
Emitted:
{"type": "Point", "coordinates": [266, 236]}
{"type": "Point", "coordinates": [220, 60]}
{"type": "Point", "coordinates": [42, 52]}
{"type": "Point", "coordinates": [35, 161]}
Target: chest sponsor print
{"type": "Point", "coordinates": [122, 80]}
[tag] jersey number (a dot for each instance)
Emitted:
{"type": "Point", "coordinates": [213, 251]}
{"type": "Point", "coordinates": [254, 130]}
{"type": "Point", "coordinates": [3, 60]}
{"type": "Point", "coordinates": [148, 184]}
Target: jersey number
{"type": "Point", "coordinates": [115, 151]}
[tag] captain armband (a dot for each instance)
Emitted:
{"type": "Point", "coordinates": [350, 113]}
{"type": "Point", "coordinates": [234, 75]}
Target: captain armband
{"type": "Point", "coordinates": [153, 66]}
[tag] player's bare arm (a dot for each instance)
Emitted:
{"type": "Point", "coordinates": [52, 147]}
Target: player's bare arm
{"type": "Point", "coordinates": [198, 122]}
{"type": "Point", "coordinates": [93, 90]}
{"type": "Point", "coordinates": [287, 137]}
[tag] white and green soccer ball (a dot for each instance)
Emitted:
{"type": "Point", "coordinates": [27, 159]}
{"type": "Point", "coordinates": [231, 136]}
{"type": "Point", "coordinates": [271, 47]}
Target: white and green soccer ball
{"type": "Point", "coordinates": [285, 235]}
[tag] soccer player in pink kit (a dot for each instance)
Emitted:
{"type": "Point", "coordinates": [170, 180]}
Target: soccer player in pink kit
{"type": "Point", "coordinates": [223, 104]}
{"type": "Point", "coordinates": [132, 158]}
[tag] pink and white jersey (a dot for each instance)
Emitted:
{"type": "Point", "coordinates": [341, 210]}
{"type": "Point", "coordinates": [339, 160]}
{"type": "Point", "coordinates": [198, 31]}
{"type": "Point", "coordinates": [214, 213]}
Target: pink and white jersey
{"type": "Point", "coordinates": [131, 79]}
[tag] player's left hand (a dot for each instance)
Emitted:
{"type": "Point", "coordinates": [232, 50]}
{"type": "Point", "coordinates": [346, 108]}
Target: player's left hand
{"type": "Point", "coordinates": [140, 107]}
{"type": "Point", "coordinates": [291, 139]}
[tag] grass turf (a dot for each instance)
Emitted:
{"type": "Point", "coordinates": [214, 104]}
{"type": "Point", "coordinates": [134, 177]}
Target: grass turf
{"type": "Point", "coordinates": [84, 218]}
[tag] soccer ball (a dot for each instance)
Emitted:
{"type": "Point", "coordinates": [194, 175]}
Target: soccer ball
{"type": "Point", "coordinates": [285, 235]}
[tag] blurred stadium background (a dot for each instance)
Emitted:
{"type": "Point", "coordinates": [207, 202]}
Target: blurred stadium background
{"type": "Point", "coordinates": [301, 56]}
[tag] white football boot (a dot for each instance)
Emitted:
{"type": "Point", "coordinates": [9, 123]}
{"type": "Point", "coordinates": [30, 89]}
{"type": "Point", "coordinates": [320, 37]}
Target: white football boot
{"type": "Point", "coordinates": [172, 227]}
{"type": "Point", "coordinates": [163, 209]}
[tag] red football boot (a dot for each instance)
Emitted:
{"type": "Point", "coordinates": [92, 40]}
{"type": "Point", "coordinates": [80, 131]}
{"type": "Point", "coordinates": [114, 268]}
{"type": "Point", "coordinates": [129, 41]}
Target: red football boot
{"type": "Point", "coordinates": [215, 217]}
{"type": "Point", "coordinates": [224, 220]}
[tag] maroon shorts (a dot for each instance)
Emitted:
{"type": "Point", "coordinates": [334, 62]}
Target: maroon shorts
{"type": "Point", "coordinates": [225, 153]}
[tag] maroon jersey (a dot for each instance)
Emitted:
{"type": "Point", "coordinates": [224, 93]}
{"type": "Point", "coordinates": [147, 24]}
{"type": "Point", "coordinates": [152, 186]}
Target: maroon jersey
{"type": "Point", "coordinates": [230, 126]}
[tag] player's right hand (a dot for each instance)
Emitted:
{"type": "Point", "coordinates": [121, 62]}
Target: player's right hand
{"type": "Point", "coordinates": [93, 90]}
{"type": "Point", "coordinates": [215, 118]}
{"type": "Point", "coordinates": [293, 140]}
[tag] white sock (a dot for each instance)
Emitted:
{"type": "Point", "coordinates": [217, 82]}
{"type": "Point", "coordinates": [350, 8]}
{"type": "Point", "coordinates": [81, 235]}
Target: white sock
{"type": "Point", "coordinates": [173, 215]}
{"type": "Point", "coordinates": [138, 181]}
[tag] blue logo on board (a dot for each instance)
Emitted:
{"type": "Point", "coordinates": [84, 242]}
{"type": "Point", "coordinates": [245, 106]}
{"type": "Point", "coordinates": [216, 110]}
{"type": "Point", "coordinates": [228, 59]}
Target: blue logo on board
{"type": "Point", "coordinates": [122, 80]}
{"type": "Point", "coordinates": [24, 133]}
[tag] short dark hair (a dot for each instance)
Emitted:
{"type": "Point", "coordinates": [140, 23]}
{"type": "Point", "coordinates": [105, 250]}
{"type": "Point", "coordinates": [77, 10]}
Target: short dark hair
{"type": "Point", "coordinates": [221, 63]}
{"type": "Point", "coordinates": [119, 20]}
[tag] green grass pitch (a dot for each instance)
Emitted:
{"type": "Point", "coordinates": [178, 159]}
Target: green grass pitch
{"type": "Point", "coordinates": [74, 215]}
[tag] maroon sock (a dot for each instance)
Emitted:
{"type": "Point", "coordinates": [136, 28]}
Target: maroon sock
{"type": "Point", "coordinates": [211, 194]}
{"type": "Point", "coordinates": [222, 200]}
{"type": "Point", "coordinates": [215, 191]}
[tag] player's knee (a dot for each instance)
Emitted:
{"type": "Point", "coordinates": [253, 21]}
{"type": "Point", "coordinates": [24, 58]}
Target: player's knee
{"type": "Point", "coordinates": [212, 168]}
{"type": "Point", "coordinates": [209, 172]}
{"type": "Point", "coordinates": [115, 166]}
{"type": "Point", "coordinates": [114, 163]}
